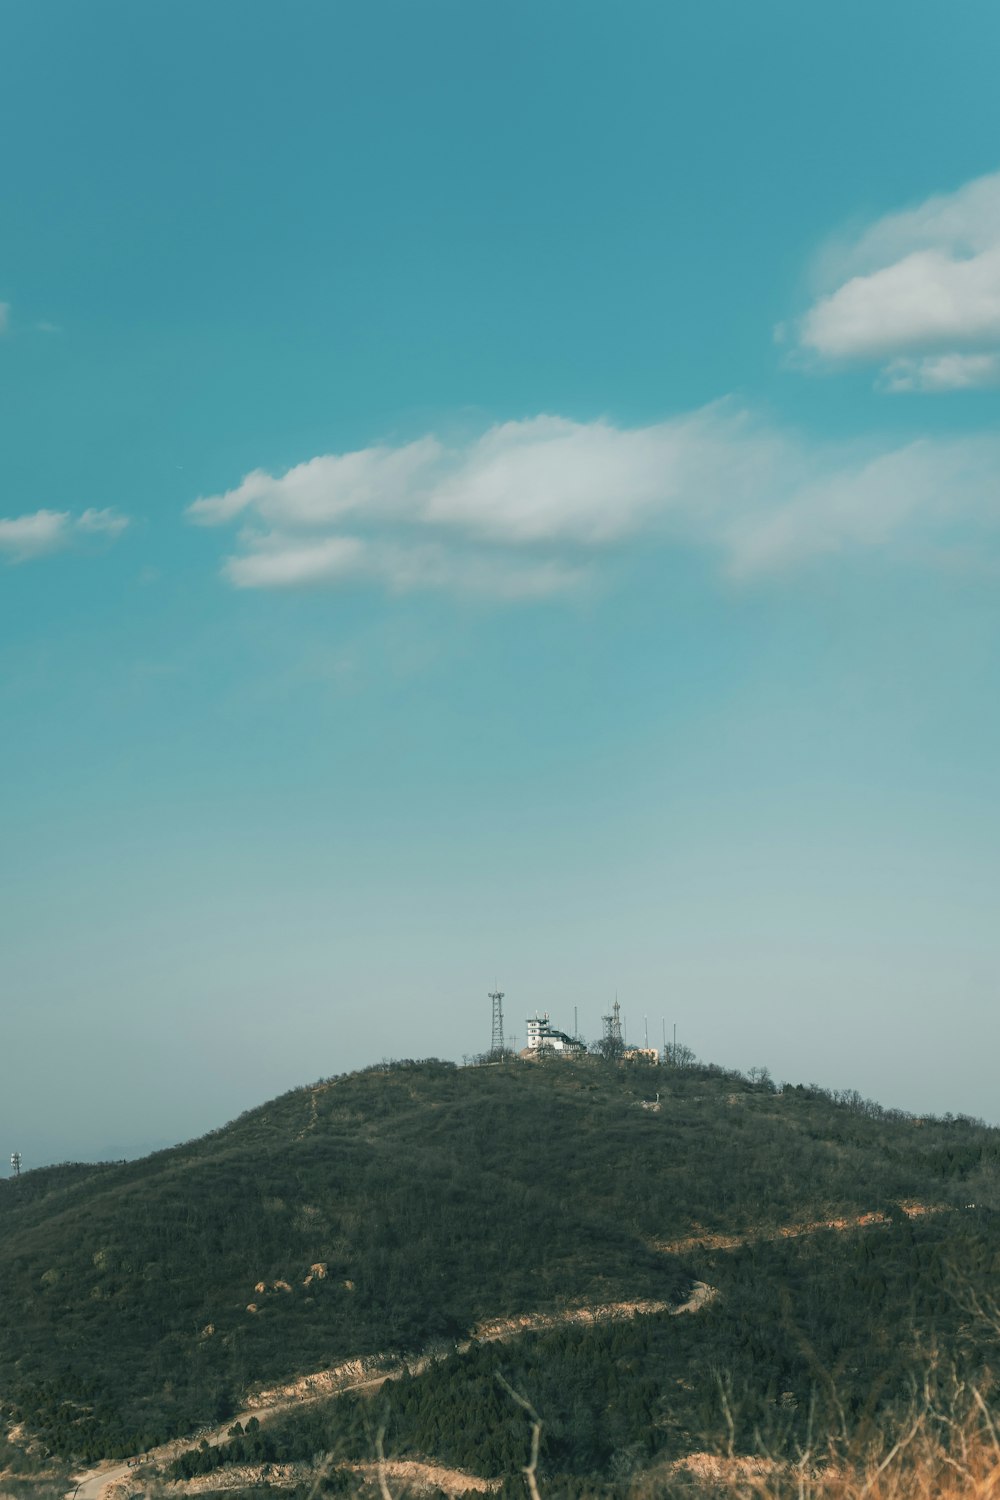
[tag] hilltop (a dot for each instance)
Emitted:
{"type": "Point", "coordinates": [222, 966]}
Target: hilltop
{"type": "Point", "coordinates": [401, 1209]}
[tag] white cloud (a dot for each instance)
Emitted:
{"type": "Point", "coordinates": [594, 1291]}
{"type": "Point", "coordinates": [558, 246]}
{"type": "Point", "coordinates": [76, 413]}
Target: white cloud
{"type": "Point", "coordinates": [325, 489]}
{"type": "Point", "coordinates": [926, 300]}
{"type": "Point", "coordinates": [548, 477]}
{"type": "Point", "coordinates": [105, 522]}
{"type": "Point", "coordinates": [4, 316]}
{"type": "Point", "coordinates": [942, 372]}
{"type": "Point", "coordinates": [23, 538]}
{"type": "Point", "coordinates": [921, 286]}
{"type": "Point", "coordinates": [273, 562]}
{"type": "Point", "coordinates": [525, 509]}
{"type": "Point", "coordinates": [544, 478]}
{"type": "Point", "coordinates": [918, 495]}
{"type": "Point", "coordinates": [964, 222]}
{"type": "Point", "coordinates": [276, 561]}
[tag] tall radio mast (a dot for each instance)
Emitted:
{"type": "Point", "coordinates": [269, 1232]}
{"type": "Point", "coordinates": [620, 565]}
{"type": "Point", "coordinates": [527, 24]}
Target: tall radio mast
{"type": "Point", "coordinates": [613, 1043]}
{"type": "Point", "coordinates": [497, 1045]}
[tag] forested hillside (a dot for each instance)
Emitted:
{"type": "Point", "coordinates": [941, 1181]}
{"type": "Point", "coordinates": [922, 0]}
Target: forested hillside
{"type": "Point", "coordinates": [808, 1339]}
{"type": "Point", "coordinates": [392, 1210]}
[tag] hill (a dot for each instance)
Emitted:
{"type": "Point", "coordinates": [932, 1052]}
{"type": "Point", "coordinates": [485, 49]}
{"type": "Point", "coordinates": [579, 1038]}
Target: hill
{"type": "Point", "coordinates": [400, 1209]}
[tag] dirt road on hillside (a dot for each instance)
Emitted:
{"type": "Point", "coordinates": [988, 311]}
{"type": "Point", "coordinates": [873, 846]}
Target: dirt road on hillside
{"type": "Point", "coordinates": [361, 1374]}
{"type": "Point", "coordinates": [708, 1241]}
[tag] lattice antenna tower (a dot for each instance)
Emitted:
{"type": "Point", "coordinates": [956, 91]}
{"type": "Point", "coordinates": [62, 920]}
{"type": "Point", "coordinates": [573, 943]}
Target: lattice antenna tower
{"type": "Point", "coordinates": [497, 1044]}
{"type": "Point", "coordinates": [613, 1030]}
{"type": "Point", "coordinates": [15, 1161]}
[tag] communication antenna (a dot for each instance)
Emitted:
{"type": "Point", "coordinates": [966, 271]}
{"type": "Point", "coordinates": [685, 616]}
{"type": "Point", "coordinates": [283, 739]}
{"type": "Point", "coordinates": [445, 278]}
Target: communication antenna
{"type": "Point", "coordinates": [15, 1161]}
{"type": "Point", "coordinates": [645, 1028]}
{"type": "Point", "coordinates": [496, 1045]}
{"type": "Point", "coordinates": [613, 1031]}
{"type": "Point", "coordinates": [576, 1025]}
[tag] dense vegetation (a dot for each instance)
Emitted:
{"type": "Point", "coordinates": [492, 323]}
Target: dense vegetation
{"type": "Point", "coordinates": [807, 1334]}
{"type": "Point", "coordinates": [434, 1197]}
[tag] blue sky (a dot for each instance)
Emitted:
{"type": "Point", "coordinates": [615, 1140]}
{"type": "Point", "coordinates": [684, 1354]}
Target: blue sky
{"type": "Point", "coordinates": [494, 493]}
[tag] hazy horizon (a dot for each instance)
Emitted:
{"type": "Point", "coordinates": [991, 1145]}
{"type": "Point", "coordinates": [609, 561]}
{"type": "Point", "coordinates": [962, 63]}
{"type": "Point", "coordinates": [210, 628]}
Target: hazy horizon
{"type": "Point", "coordinates": [49, 1151]}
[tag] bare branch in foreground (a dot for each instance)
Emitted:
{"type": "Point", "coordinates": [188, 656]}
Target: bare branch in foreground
{"type": "Point", "coordinates": [530, 1471]}
{"type": "Point", "coordinates": [383, 1486]}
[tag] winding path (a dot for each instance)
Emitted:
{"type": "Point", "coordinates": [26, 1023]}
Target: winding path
{"type": "Point", "coordinates": [359, 1374]}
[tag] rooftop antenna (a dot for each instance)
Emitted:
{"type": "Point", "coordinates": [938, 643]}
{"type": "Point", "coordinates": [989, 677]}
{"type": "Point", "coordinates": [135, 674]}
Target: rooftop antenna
{"type": "Point", "coordinates": [496, 1045]}
{"type": "Point", "coordinates": [15, 1161]}
{"type": "Point", "coordinates": [576, 1025]}
{"type": "Point", "coordinates": [645, 1028]}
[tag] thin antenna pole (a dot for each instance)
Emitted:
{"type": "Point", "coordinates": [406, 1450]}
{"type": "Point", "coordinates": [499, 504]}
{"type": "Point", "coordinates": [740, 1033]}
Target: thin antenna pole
{"type": "Point", "coordinates": [645, 1030]}
{"type": "Point", "coordinates": [674, 1057]}
{"type": "Point", "coordinates": [576, 1025]}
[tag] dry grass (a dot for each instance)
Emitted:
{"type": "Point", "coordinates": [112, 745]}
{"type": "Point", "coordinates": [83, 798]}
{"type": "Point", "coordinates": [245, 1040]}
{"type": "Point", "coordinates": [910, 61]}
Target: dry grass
{"type": "Point", "coordinates": [921, 1467]}
{"type": "Point", "coordinates": [946, 1447]}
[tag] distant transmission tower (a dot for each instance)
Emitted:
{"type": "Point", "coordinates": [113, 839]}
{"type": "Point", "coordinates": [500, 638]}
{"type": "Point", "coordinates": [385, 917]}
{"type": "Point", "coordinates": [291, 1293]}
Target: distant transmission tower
{"type": "Point", "coordinates": [613, 1045]}
{"type": "Point", "coordinates": [15, 1161]}
{"type": "Point", "coordinates": [496, 1045]}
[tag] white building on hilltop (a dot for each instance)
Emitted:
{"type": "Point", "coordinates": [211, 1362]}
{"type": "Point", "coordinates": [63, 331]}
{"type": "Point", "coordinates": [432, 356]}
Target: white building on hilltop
{"type": "Point", "coordinates": [544, 1037]}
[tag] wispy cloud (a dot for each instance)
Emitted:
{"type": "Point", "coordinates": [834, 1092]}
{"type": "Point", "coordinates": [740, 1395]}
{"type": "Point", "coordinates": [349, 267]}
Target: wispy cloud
{"type": "Point", "coordinates": [42, 532]}
{"type": "Point", "coordinates": [917, 292]}
{"type": "Point", "coordinates": [920, 497]}
{"type": "Point", "coordinates": [275, 562]}
{"type": "Point", "coordinates": [942, 372]}
{"type": "Point", "coordinates": [526, 509]}
{"type": "Point", "coordinates": [102, 522]}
